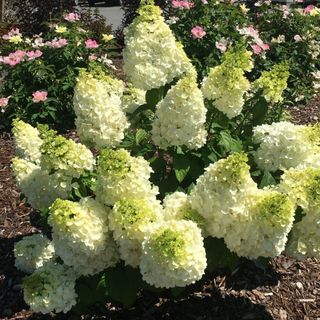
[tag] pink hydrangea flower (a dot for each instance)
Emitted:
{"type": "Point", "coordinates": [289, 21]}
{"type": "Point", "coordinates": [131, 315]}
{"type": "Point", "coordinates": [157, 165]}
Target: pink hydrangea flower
{"type": "Point", "coordinates": [198, 32]}
{"type": "Point", "coordinates": [72, 17]}
{"type": "Point", "coordinates": [91, 44]}
{"type": "Point", "coordinates": [39, 96]}
{"type": "Point", "coordinates": [204, 1]}
{"type": "Point", "coordinates": [34, 54]}
{"type": "Point", "coordinates": [4, 102]}
{"type": "Point", "coordinates": [182, 4]}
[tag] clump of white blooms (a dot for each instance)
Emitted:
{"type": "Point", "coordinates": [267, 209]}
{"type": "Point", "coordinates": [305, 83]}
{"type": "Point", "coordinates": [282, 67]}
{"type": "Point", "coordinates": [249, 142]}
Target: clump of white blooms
{"type": "Point", "coordinates": [64, 155]}
{"type": "Point", "coordinates": [132, 98]}
{"type": "Point", "coordinates": [27, 141]}
{"type": "Point", "coordinates": [303, 187]}
{"type": "Point", "coordinates": [100, 120]}
{"type": "Point", "coordinates": [226, 84]}
{"type": "Point", "coordinates": [50, 288]}
{"type": "Point", "coordinates": [32, 252]}
{"type": "Point", "coordinates": [39, 186]}
{"type": "Point", "coordinates": [129, 220]}
{"type": "Point", "coordinates": [180, 117]}
{"type": "Point", "coordinates": [81, 236]}
{"type": "Point", "coordinates": [284, 145]}
{"type": "Point", "coordinates": [264, 230]}
{"type": "Point", "coordinates": [123, 176]}
{"type": "Point", "coordinates": [220, 194]}
{"type": "Point", "coordinates": [305, 239]}
{"type": "Point", "coordinates": [177, 206]}
{"type": "Point", "coordinates": [273, 83]}
{"type": "Point", "coordinates": [152, 56]}
{"type": "Point", "coordinates": [173, 254]}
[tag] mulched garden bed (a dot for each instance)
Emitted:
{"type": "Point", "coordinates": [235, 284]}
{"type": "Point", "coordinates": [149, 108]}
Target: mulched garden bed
{"type": "Point", "coordinates": [287, 290]}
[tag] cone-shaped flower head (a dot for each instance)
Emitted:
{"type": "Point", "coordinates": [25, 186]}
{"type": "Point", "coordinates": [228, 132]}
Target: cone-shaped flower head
{"type": "Point", "coordinates": [122, 176]}
{"type": "Point", "coordinates": [152, 56]}
{"type": "Point", "coordinates": [50, 288]}
{"type": "Point", "coordinates": [128, 220]}
{"type": "Point", "coordinates": [305, 238]}
{"type": "Point", "coordinates": [219, 194]}
{"type": "Point", "coordinates": [32, 252]}
{"type": "Point", "coordinates": [81, 236]}
{"type": "Point", "coordinates": [177, 206]}
{"type": "Point", "coordinates": [226, 84]}
{"type": "Point", "coordinates": [27, 141]}
{"type": "Point", "coordinates": [100, 120]}
{"type": "Point", "coordinates": [284, 145]}
{"type": "Point", "coordinates": [265, 230]}
{"type": "Point", "coordinates": [64, 155]}
{"type": "Point", "coordinates": [173, 254]}
{"type": "Point", "coordinates": [303, 187]}
{"type": "Point", "coordinates": [40, 187]}
{"type": "Point", "coordinates": [273, 83]}
{"type": "Point", "coordinates": [180, 116]}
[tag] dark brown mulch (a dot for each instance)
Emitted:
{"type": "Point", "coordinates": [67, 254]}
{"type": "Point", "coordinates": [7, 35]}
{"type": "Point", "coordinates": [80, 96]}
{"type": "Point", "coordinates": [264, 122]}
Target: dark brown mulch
{"type": "Point", "coordinates": [307, 114]}
{"type": "Point", "coordinates": [287, 290]}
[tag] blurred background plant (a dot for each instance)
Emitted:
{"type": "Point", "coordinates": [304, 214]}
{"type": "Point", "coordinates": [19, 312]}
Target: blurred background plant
{"type": "Point", "coordinates": [39, 71]}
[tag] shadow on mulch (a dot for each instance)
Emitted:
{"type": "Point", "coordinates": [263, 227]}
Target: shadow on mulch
{"type": "Point", "coordinates": [248, 276]}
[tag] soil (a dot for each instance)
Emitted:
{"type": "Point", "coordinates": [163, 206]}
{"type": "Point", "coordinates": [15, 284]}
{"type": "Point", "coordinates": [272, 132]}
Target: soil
{"type": "Point", "coordinates": [286, 290]}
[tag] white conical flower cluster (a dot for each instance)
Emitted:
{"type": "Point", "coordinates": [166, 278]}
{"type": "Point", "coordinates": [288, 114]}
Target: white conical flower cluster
{"type": "Point", "coordinates": [173, 254]}
{"type": "Point", "coordinates": [121, 176]}
{"type": "Point", "coordinates": [129, 220]}
{"type": "Point", "coordinates": [303, 186]}
{"type": "Point", "coordinates": [152, 57]}
{"type": "Point", "coordinates": [81, 236]}
{"type": "Point", "coordinates": [264, 231]}
{"type": "Point", "coordinates": [39, 186]}
{"type": "Point", "coordinates": [27, 141]}
{"type": "Point", "coordinates": [284, 145]}
{"type": "Point", "coordinates": [180, 117]}
{"type": "Point", "coordinates": [100, 120]}
{"type": "Point", "coordinates": [220, 194]}
{"type": "Point", "coordinates": [226, 84]}
{"type": "Point", "coordinates": [177, 206]}
{"type": "Point", "coordinates": [50, 288]}
{"type": "Point", "coordinates": [32, 252]}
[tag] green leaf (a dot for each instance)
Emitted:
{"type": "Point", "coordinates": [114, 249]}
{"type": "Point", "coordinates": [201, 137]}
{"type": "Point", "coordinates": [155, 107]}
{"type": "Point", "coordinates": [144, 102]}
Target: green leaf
{"type": "Point", "coordinates": [140, 135]}
{"type": "Point", "coordinates": [181, 166]}
{"type": "Point", "coordinates": [259, 111]}
{"type": "Point", "coordinates": [267, 180]}
{"type": "Point", "coordinates": [144, 107]}
{"type": "Point", "coordinates": [90, 290]}
{"type": "Point", "coordinates": [229, 143]}
{"type": "Point", "coordinates": [123, 284]}
{"type": "Point", "coordinates": [218, 255]}
{"type": "Point", "coordinates": [153, 96]}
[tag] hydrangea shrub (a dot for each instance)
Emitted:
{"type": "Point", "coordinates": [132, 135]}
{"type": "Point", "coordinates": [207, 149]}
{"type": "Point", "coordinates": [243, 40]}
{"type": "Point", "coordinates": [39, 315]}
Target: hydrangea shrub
{"type": "Point", "coordinates": [180, 178]}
